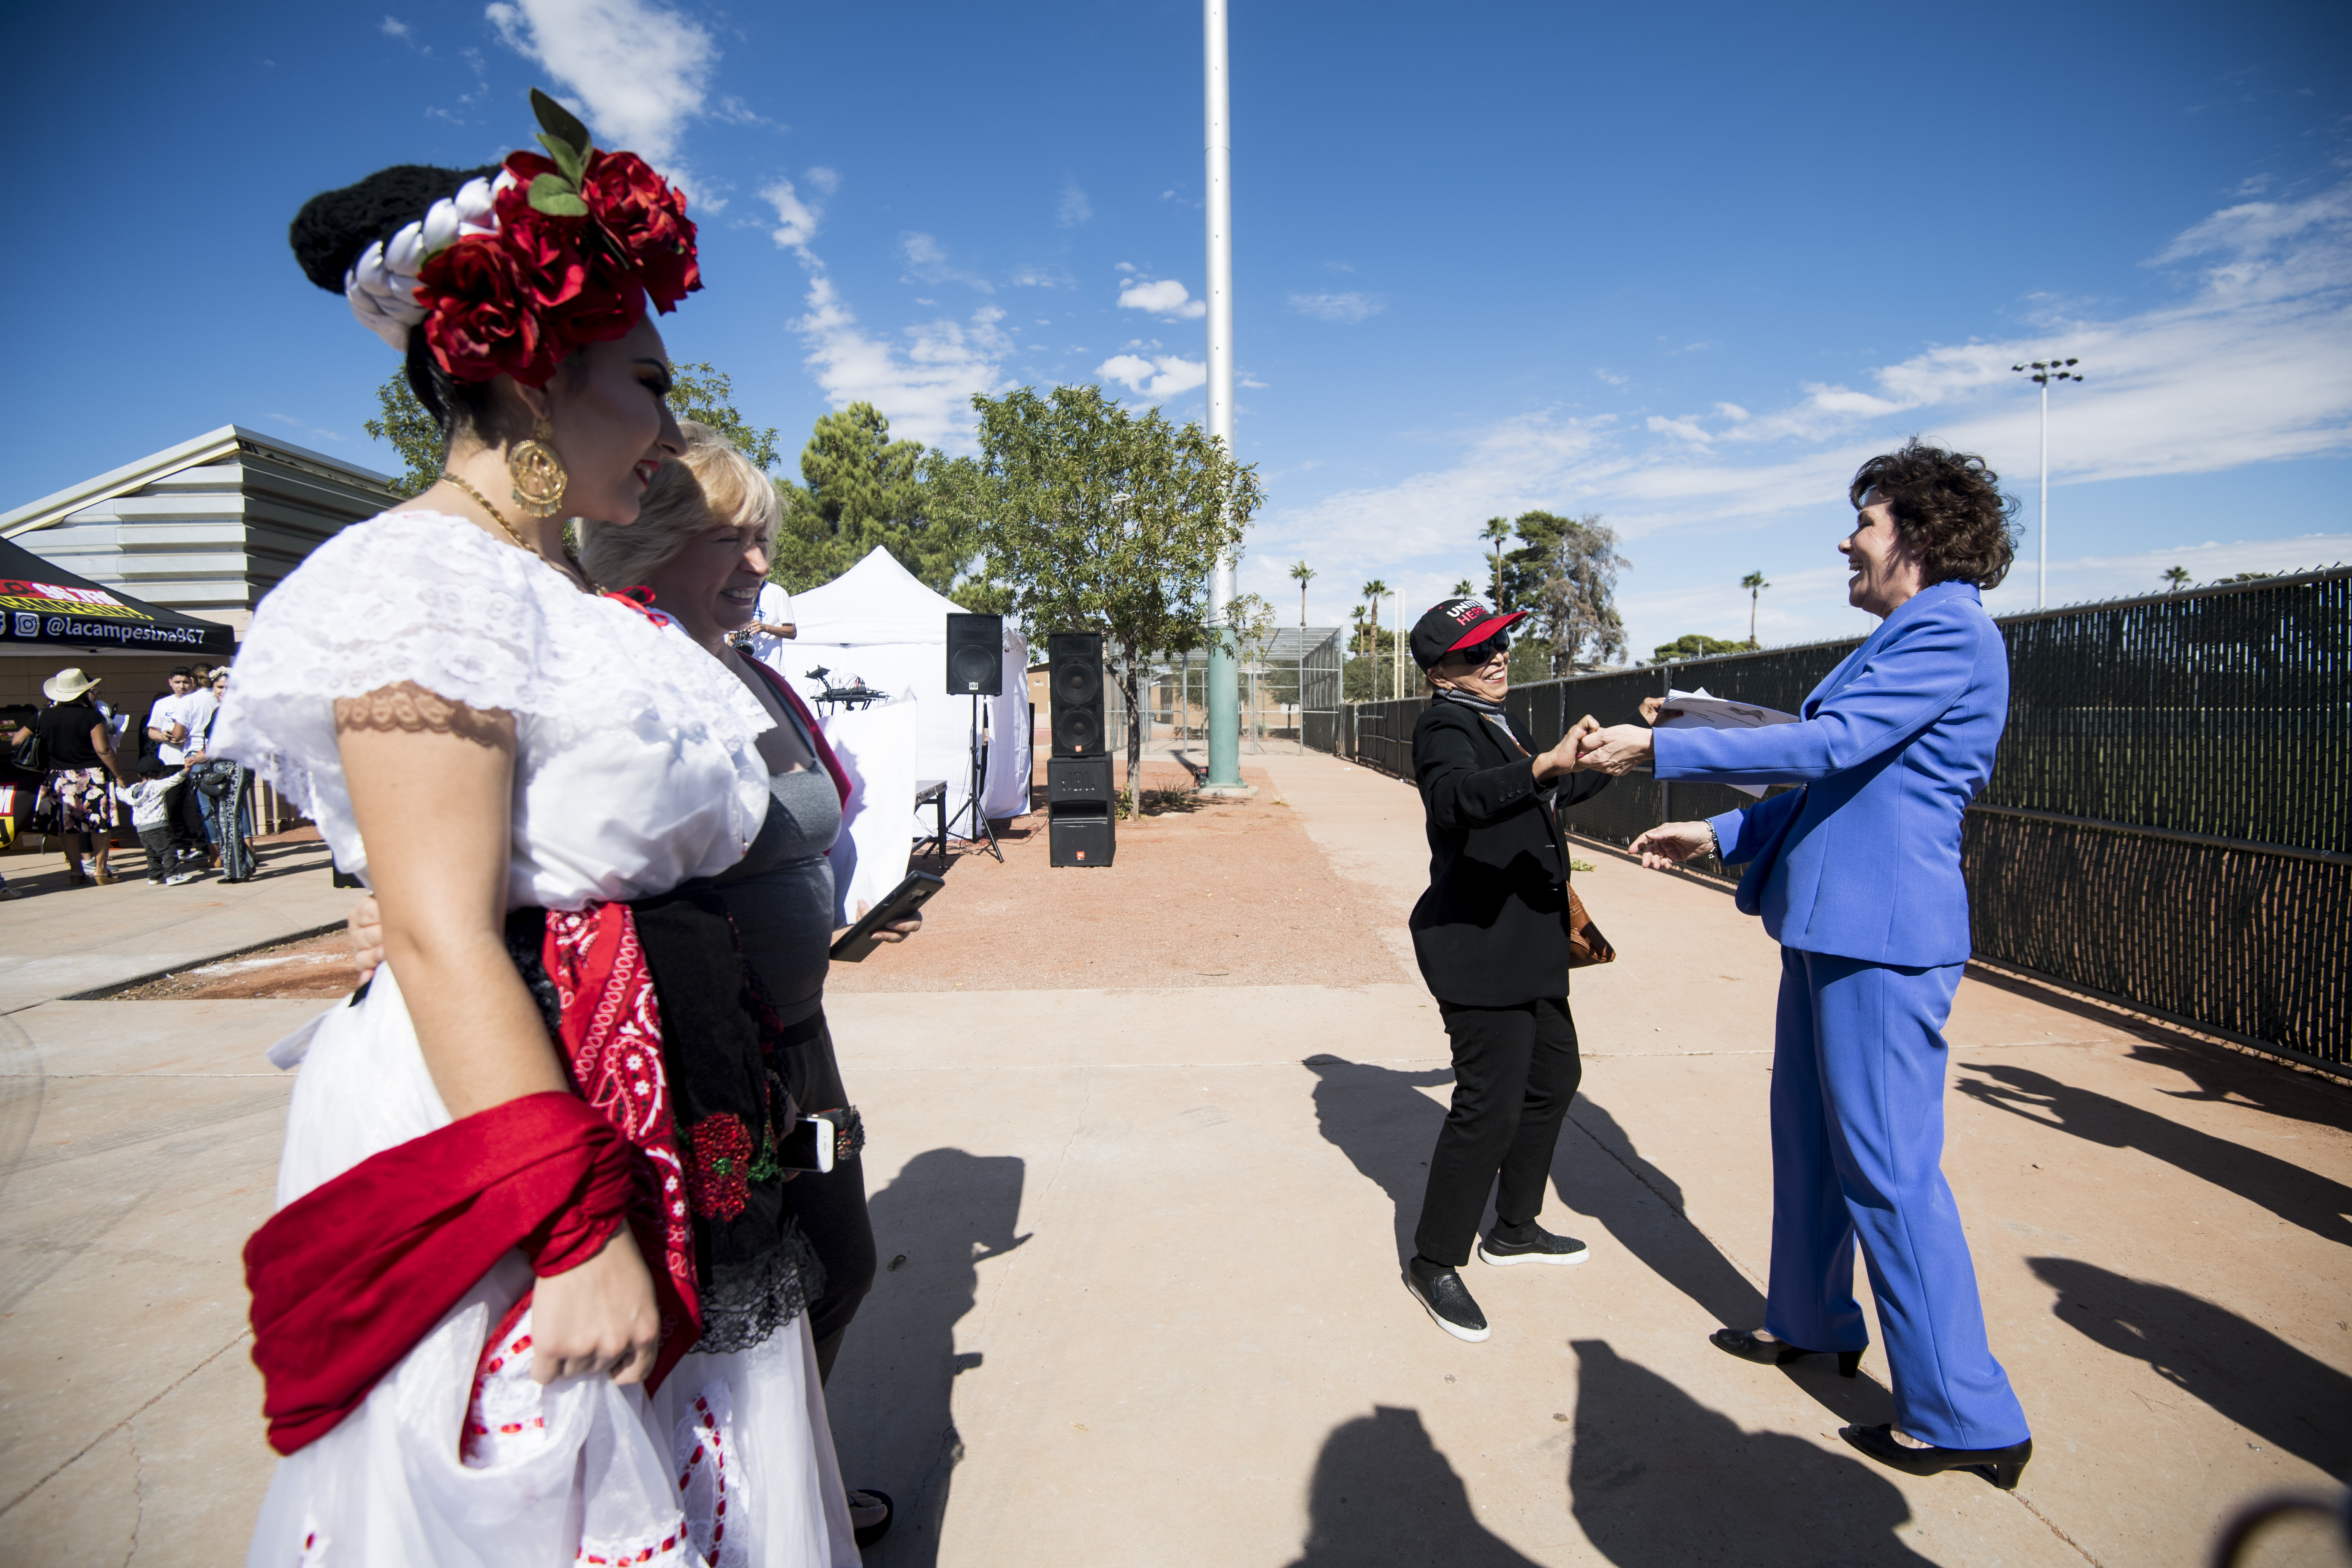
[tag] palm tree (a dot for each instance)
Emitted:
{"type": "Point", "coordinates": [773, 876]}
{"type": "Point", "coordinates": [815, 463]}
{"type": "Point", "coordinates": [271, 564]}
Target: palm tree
{"type": "Point", "coordinates": [1754, 582]}
{"type": "Point", "coordinates": [1464, 589]}
{"type": "Point", "coordinates": [1374, 590]}
{"type": "Point", "coordinates": [1304, 574]}
{"type": "Point", "coordinates": [1494, 532]}
{"type": "Point", "coordinates": [2178, 579]}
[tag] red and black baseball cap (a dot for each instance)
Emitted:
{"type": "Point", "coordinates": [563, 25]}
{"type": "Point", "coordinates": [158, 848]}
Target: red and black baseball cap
{"type": "Point", "coordinates": [1453, 624]}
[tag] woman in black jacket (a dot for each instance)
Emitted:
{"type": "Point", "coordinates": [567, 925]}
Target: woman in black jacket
{"type": "Point", "coordinates": [1492, 936]}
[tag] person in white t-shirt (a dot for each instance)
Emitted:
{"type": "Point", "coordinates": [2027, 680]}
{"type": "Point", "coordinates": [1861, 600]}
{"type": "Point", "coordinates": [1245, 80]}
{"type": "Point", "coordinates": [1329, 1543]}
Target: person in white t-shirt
{"type": "Point", "coordinates": [771, 626]}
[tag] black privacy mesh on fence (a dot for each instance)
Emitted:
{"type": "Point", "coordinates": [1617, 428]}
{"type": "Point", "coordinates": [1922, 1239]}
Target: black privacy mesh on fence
{"type": "Point", "coordinates": [2169, 821]}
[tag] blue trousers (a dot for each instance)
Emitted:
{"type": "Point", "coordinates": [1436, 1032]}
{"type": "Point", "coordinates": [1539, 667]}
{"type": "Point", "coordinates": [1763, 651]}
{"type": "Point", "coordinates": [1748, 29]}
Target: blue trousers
{"type": "Point", "coordinates": [1857, 1148]}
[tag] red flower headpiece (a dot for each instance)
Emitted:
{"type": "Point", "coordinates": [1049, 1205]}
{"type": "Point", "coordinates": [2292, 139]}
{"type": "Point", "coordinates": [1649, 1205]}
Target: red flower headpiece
{"type": "Point", "coordinates": [575, 244]}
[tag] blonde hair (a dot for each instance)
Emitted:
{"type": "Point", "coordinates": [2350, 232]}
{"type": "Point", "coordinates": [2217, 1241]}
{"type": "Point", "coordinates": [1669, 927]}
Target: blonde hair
{"type": "Point", "coordinates": [713, 485]}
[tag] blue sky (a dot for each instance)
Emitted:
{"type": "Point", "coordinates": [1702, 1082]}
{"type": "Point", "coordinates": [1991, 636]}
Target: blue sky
{"type": "Point", "coordinates": [1682, 267]}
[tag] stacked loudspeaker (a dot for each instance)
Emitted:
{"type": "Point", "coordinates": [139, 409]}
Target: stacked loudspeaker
{"type": "Point", "coordinates": [1081, 808]}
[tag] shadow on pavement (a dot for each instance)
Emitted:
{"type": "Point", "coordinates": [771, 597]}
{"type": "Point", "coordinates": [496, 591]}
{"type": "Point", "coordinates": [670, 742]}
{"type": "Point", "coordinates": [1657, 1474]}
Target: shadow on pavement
{"type": "Point", "coordinates": [1379, 1117]}
{"type": "Point", "coordinates": [2226, 1077]}
{"type": "Point", "coordinates": [1658, 1234]}
{"type": "Point", "coordinates": [892, 1393]}
{"type": "Point", "coordinates": [1659, 1480]}
{"type": "Point", "coordinates": [2243, 1371]}
{"type": "Point", "coordinates": [2298, 1196]}
{"type": "Point", "coordinates": [1383, 1494]}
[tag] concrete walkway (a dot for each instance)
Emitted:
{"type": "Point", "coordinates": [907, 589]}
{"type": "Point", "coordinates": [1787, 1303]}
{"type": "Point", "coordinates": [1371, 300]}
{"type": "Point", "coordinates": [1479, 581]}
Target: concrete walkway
{"type": "Point", "coordinates": [1140, 1302]}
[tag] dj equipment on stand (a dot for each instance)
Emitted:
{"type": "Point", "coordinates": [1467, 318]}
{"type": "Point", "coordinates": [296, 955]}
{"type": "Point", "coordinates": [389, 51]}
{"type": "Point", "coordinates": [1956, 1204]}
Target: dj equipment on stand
{"type": "Point", "coordinates": [1081, 805]}
{"type": "Point", "coordinates": [976, 668]}
{"type": "Point", "coordinates": [976, 655]}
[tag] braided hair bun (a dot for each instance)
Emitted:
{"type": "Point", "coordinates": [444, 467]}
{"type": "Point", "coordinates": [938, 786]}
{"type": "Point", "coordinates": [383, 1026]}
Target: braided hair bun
{"type": "Point", "coordinates": [334, 226]}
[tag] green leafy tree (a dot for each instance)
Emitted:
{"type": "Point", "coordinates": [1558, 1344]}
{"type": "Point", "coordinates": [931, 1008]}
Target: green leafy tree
{"type": "Point", "coordinates": [2175, 579]}
{"type": "Point", "coordinates": [1094, 518]}
{"type": "Point", "coordinates": [705, 394]}
{"type": "Point", "coordinates": [1565, 572]}
{"type": "Point", "coordinates": [1695, 644]}
{"type": "Point", "coordinates": [862, 489]}
{"type": "Point", "coordinates": [413, 434]}
{"type": "Point", "coordinates": [1465, 588]}
{"type": "Point", "coordinates": [1374, 592]}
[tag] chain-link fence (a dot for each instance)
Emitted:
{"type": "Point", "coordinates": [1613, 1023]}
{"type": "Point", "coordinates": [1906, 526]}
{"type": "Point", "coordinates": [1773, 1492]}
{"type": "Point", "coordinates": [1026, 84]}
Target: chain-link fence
{"type": "Point", "coordinates": [1288, 686]}
{"type": "Point", "coordinates": [2169, 824]}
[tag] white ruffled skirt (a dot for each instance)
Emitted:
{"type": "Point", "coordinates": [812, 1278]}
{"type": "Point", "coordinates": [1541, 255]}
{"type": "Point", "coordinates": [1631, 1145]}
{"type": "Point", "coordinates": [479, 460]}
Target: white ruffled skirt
{"type": "Point", "coordinates": [458, 1458]}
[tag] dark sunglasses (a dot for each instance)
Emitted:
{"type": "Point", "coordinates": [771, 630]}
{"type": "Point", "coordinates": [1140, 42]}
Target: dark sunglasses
{"type": "Point", "coordinates": [1479, 653]}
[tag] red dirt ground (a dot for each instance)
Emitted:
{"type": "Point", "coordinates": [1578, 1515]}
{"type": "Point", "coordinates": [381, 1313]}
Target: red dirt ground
{"type": "Point", "coordinates": [1207, 893]}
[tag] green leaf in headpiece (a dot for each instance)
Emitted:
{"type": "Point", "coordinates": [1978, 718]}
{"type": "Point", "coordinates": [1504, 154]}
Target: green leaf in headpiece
{"type": "Point", "coordinates": [554, 195]}
{"type": "Point", "coordinates": [571, 160]}
{"type": "Point", "coordinates": [560, 123]}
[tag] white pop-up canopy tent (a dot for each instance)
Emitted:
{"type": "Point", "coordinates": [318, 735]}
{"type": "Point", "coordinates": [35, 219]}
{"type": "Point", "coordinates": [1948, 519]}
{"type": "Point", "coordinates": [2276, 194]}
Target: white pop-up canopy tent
{"type": "Point", "coordinates": [878, 623]}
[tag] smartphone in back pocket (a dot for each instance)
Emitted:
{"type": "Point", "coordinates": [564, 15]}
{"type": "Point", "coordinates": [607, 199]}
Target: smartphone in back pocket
{"type": "Point", "coordinates": [809, 1145]}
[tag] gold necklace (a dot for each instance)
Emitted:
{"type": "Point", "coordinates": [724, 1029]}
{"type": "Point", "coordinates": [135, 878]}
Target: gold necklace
{"type": "Point", "coordinates": [500, 519]}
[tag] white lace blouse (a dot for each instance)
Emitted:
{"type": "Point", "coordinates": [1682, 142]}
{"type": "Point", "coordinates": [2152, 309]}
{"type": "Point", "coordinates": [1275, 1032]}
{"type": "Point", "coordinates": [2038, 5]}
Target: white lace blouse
{"type": "Point", "coordinates": [636, 764]}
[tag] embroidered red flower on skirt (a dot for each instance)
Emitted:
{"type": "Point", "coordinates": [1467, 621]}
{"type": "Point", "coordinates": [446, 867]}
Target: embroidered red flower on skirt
{"type": "Point", "coordinates": [719, 1179]}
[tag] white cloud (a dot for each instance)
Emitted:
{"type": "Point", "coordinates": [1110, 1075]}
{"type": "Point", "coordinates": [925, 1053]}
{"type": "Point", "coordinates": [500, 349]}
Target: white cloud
{"type": "Point", "coordinates": [824, 181]}
{"type": "Point", "coordinates": [1156, 379]}
{"type": "Point", "coordinates": [1686, 429]}
{"type": "Point", "coordinates": [796, 220]}
{"type": "Point", "coordinates": [1338, 307]}
{"type": "Point", "coordinates": [1124, 267]}
{"type": "Point", "coordinates": [923, 385]}
{"type": "Point", "coordinates": [927, 258]}
{"type": "Point", "coordinates": [638, 68]}
{"type": "Point", "coordinates": [394, 28]}
{"type": "Point", "coordinates": [1031, 276]}
{"type": "Point", "coordinates": [1162, 297]}
{"type": "Point", "coordinates": [1075, 209]}
{"type": "Point", "coordinates": [1609, 376]}
{"type": "Point", "coordinates": [1731, 411]}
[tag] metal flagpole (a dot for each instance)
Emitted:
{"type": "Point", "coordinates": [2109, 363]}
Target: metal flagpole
{"type": "Point", "coordinates": [1224, 698]}
{"type": "Point", "coordinates": [2041, 577]}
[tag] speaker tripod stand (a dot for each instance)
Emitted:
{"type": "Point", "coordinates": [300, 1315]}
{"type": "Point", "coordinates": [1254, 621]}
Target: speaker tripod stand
{"type": "Point", "coordinates": [982, 833]}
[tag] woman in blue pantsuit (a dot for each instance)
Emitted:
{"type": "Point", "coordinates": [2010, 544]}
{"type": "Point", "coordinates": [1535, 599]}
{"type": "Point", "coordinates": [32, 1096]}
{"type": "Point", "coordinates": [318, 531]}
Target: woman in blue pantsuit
{"type": "Point", "coordinates": [1857, 874]}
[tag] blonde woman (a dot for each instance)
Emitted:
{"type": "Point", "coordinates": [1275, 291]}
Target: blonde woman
{"type": "Point", "coordinates": [702, 544]}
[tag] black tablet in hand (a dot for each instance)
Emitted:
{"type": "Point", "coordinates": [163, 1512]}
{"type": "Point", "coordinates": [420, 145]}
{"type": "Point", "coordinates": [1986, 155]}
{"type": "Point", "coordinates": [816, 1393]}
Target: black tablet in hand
{"type": "Point", "coordinates": [905, 899]}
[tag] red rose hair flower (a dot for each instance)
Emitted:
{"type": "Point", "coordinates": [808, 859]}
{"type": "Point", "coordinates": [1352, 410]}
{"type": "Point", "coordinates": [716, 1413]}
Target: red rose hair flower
{"type": "Point", "coordinates": [582, 238]}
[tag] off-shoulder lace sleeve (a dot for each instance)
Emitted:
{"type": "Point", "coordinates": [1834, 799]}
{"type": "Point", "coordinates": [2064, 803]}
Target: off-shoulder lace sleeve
{"type": "Point", "coordinates": [407, 597]}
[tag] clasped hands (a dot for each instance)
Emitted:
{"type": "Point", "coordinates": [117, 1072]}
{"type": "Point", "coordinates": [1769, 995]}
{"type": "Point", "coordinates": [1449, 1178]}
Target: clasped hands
{"type": "Point", "coordinates": [1590, 746]}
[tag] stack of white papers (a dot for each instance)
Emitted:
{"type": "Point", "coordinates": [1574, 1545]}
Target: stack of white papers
{"type": "Point", "coordinates": [1699, 711]}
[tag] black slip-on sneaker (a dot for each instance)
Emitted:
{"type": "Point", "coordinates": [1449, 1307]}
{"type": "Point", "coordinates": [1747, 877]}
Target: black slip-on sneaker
{"type": "Point", "coordinates": [1543, 1248]}
{"type": "Point", "coordinates": [1439, 1288]}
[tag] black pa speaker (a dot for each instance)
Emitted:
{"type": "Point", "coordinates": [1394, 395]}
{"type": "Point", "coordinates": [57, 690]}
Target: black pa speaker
{"type": "Point", "coordinates": [975, 656]}
{"type": "Point", "coordinates": [1075, 682]}
{"type": "Point", "coordinates": [1081, 833]}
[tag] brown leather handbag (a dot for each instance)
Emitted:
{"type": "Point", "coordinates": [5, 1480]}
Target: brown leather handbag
{"type": "Point", "coordinates": [1586, 945]}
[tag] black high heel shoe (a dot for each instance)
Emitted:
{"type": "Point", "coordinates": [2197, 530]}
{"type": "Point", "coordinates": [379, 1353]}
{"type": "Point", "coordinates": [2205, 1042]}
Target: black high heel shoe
{"type": "Point", "coordinates": [1743, 1344]}
{"type": "Point", "coordinates": [2002, 1466]}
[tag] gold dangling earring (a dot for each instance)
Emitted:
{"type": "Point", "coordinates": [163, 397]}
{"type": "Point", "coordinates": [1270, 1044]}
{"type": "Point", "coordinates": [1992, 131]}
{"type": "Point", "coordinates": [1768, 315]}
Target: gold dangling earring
{"type": "Point", "coordinates": [538, 473]}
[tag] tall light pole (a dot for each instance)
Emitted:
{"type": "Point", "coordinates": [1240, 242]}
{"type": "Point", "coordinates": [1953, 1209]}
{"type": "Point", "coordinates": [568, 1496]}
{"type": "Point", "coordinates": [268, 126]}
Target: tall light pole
{"type": "Point", "coordinates": [2046, 370]}
{"type": "Point", "coordinates": [1225, 696]}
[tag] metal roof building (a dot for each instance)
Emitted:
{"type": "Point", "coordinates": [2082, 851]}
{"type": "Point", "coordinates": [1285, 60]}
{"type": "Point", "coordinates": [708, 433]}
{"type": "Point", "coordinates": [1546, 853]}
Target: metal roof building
{"type": "Point", "coordinates": [206, 527]}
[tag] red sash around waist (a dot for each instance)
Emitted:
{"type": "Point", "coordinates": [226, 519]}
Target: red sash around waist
{"type": "Point", "coordinates": [348, 1277]}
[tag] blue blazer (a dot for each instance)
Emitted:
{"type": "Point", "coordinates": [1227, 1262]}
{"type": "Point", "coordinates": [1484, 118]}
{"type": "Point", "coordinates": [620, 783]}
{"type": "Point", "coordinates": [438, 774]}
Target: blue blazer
{"type": "Point", "coordinates": [1864, 861]}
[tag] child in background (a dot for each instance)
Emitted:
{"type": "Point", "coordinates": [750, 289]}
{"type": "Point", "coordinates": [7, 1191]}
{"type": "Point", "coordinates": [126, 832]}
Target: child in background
{"type": "Point", "coordinates": [150, 804]}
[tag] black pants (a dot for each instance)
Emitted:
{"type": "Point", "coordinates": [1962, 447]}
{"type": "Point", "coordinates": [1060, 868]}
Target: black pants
{"type": "Point", "coordinates": [831, 1209]}
{"type": "Point", "coordinates": [1515, 1070]}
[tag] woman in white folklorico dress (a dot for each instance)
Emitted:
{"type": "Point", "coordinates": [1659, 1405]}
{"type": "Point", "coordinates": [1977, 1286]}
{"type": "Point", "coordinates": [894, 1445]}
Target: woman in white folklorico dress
{"type": "Point", "coordinates": [484, 1254]}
